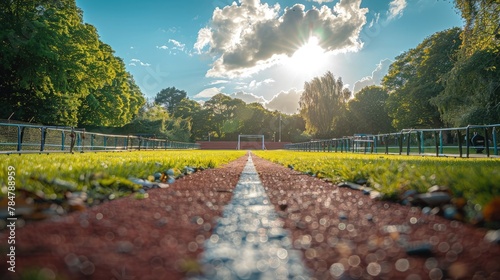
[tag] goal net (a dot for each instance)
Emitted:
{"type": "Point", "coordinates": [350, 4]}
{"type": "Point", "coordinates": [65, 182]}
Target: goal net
{"type": "Point", "coordinates": [251, 142]}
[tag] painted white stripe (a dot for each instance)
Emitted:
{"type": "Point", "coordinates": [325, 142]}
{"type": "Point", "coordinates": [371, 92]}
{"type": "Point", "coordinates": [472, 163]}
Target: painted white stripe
{"type": "Point", "coordinates": [249, 241]}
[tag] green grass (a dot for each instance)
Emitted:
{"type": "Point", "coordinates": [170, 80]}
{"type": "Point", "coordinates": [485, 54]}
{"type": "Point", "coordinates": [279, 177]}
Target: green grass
{"type": "Point", "coordinates": [102, 174]}
{"type": "Point", "coordinates": [449, 150]}
{"type": "Point", "coordinates": [478, 180]}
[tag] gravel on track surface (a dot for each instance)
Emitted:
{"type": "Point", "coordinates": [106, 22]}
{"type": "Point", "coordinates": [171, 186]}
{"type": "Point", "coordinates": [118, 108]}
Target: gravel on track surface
{"type": "Point", "coordinates": [346, 235]}
{"type": "Point", "coordinates": [342, 233]}
{"type": "Point", "coordinates": [159, 237]}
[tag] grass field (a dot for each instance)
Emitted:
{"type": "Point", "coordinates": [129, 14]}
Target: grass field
{"type": "Point", "coordinates": [478, 179]}
{"type": "Point", "coordinates": [100, 174]}
{"type": "Point", "coordinates": [445, 150]}
{"type": "Point", "coordinates": [104, 174]}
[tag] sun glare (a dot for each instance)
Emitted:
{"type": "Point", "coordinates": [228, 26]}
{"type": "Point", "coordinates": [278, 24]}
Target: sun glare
{"type": "Point", "coordinates": [307, 58]}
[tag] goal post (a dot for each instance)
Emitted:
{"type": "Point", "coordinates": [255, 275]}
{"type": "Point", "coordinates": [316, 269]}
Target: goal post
{"type": "Point", "coordinates": [256, 136]}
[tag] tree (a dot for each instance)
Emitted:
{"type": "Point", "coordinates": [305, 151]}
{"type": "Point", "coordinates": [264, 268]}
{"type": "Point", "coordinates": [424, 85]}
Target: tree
{"type": "Point", "coordinates": [322, 103]}
{"type": "Point", "coordinates": [114, 104]}
{"type": "Point", "coordinates": [292, 128]}
{"type": "Point", "coordinates": [187, 108]}
{"type": "Point", "coordinates": [472, 87]}
{"type": "Point", "coordinates": [154, 121]}
{"type": "Point", "coordinates": [472, 91]}
{"type": "Point", "coordinates": [170, 98]}
{"type": "Point", "coordinates": [256, 119]}
{"type": "Point", "coordinates": [482, 25]}
{"type": "Point", "coordinates": [221, 112]}
{"type": "Point", "coordinates": [416, 77]}
{"type": "Point", "coordinates": [368, 111]}
{"type": "Point", "coordinates": [51, 62]}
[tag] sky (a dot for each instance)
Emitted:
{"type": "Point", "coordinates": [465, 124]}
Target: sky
{"type": "Point", "coordinates": [262, 50]}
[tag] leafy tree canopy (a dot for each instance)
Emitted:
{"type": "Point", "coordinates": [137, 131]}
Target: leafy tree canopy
{"type": "Point", "coordinates": [322, 103]}
{"type": "Point", "coordinates": [368, 111]}
{"type": "Point", "coordinates": [472, 87]}
{"type": "Point", "coordinates": [55, 70]}
{"type": "Point", "coordinates": [170, 98]}
{"type": "Point", "coordinates": [416, 76]}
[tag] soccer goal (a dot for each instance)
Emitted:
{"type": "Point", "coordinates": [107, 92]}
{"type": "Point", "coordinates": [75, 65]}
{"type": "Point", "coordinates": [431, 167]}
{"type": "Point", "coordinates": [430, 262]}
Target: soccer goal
{"type": "Point", "coordinates": [248, 142]}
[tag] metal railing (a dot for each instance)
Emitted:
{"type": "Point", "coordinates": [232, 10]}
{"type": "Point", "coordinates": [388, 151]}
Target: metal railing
{"type": "Point", "coordinates": [438, 142]}
{"type": "Point", "coordinates": [24, 138]}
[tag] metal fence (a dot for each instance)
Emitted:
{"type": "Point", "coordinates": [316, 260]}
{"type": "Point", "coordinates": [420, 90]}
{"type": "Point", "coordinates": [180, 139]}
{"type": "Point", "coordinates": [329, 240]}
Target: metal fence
{"type": "Point", "coordinates": [23, 138]}
{"type": "Point", "coordinates": [458, 142]}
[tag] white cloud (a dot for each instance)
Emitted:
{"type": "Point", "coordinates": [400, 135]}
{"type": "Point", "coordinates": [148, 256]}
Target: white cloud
{"type": "Point", "coordinates": [248, 37]}
{"type": "Point", "coordinates": [208, 93]}
{"type": "Point", "coordinates": [285, 101]}
{"type": "Point", "coordinates": [173, 46]}
{"type": "Point", "coordinates": [248, 97]}
{"type": "Point", "coordinates": [375, 20]}
{"type": "Point", "coordinates": [320, 1]}
{"type": "Point", "coordinates": [396, 8]}
{"type": "Point", "coordinates": [218, 82]}
{"type": "Point", "coordinates": [254, 84]}
{"type": "Point", "coordinates": [376, 77]}
{"type": "Point", "coordinates": [169, 30]}
{"type": "Point", "coordinates": [178, 45]}
{"type": "Point", "coordinates": [204, 38]}
{"type": "Point", "coordinates": [135, 62]}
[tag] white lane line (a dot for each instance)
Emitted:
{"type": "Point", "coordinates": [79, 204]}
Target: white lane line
{"type": "Point", "coordinates": [249, 241]}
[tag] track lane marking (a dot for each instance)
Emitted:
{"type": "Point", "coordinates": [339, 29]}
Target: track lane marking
{"type": "Point", "coordinates": [249, 241]}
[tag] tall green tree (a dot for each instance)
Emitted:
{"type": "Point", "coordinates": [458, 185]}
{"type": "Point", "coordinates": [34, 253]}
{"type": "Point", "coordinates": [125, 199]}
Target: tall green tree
{"type": "Point", "coordinates": [416, 77]}
{"type": "Point", "coordinates": [292, 128]}
{"type": "Point", "coordinates": [222, 110]}
{"type": "Point", "coordinates": [116, 102]}
{"type": "Point", "coordinates": [51, 62]}
{"type": "Point", "coordinates": [368, 111]}
{"type": "Point", "coordinates": [202, 125]}
{"type": "Point", "coordinates": [170, 98]}
{"type": "Point", "coordinates": [472, 87]}
{"type": "Point", "coordinates": [472, 91]}
{"type": "Point", "coordinates": [322, 103]}
{"type": "Point", "coordinates": [187, 108]}
{"type": "Point", "coordinates": [256, 119]}
{"type": "Point", "coordinates": [482, 25]}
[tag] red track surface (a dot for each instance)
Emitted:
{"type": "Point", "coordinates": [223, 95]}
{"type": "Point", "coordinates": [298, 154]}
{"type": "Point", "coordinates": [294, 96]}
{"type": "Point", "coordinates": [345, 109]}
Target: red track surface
{"type": "Point", "coordinates": [340, 232]}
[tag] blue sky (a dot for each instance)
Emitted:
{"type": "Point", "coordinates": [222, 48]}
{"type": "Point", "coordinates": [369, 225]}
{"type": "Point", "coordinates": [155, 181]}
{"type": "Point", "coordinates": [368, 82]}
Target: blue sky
{"type": "Point", "coordinates": [260, 50]}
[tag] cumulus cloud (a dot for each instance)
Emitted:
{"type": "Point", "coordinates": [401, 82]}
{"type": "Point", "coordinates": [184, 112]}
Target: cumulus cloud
{"type": "Point", "coordinates": [138, 62]}
{"type": "Point", "coordinates": [177, 45]}
{"type": "Point", "coordinates": [208, 93]}
{"type": "Point", "coordinates": [376, 77]}
{"type": "Point", "coordinates": [248, 97]}
{"type": "Point", "coordinates": [173, 46]}
{"type": "Point", "coordinates": [218, 82]}
{"type": "Point", "coordinates": [320, 1]}
{"type": "Point", "coordinates": [254, 84]}
{"type": "Point", "coordinates": [248, 37]}
{"type": "Point", "coordinates": [396, 8]}
{"type": "Point", "coordinates": [285, 101]}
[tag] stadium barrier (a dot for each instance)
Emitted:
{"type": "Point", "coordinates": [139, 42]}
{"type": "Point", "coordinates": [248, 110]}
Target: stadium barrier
{"type": "Point", "coordinates": [25, 138]}
{"type": "Point", "coordinates": [481, 140]}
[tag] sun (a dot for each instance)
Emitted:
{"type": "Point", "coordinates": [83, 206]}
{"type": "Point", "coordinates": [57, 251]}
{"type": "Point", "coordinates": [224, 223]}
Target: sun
{"type": "Point", "coordinates": [309, 58]}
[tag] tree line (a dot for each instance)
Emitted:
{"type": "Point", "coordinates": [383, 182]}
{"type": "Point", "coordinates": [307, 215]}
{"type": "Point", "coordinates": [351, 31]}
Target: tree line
{"type": "Point", "coordinates": [54, 69]}
{"type": "Point", "coordinates": [173, 115]}
{"type": "Point", "coordinates": [450, 79]}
